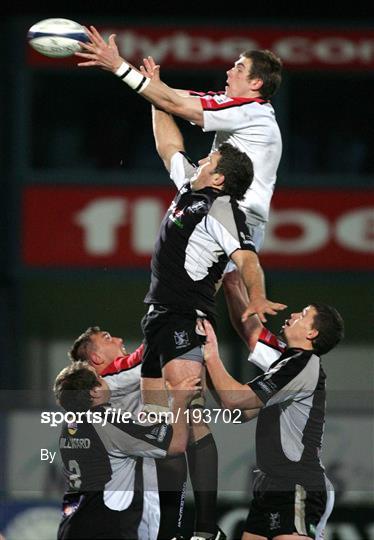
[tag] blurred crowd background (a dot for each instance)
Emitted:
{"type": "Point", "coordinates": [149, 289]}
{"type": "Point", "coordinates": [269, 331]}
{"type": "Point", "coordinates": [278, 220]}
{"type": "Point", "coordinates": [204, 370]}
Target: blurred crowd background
{"type": "Point", "coordinates": [83, 192]}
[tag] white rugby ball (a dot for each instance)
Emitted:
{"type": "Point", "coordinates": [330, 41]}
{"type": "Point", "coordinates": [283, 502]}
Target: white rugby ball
{"type": "Point", "coordinates": [56, 37]}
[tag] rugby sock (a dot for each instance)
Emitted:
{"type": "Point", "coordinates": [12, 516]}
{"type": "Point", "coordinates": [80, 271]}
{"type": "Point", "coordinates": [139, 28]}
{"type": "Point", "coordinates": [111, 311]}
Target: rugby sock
{"type": "Point", "coordinates": [172, 482]}
{"type": "Point", "coordinates": [202, 460]}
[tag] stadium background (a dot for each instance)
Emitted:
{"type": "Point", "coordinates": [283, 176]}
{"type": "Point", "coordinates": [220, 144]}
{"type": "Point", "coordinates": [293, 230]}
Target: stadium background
{"type": "Point", "coordinates": [76, 150]}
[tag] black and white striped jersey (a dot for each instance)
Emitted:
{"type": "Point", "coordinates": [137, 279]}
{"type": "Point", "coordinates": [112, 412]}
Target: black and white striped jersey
{"type": "Point", "coordinates": [102, 455]}
{"type": "Point", "coordinates": [290, 425]}
{"type": "Point", "coordinates": [123, 379]}
{"type": "Point", "coordinates": [199, 232]}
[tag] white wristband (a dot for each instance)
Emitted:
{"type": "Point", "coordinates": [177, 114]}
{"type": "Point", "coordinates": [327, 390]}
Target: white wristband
{"type": "Point", "coordinates": [133, 78]}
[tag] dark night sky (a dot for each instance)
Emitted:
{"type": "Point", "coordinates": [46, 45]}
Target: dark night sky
{"type": "Point", "coordinates": [302, 10]}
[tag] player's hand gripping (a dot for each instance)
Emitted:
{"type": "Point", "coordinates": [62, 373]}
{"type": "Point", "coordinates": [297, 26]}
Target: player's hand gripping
{"type": "Point", "coordinates": [99, 53]}
{"type": "Point", "coordinates": [260, 307]}
{"type": "Point", "coordinates": [211, 352]}
{"type": "Point", "coordinates": [185, 390]}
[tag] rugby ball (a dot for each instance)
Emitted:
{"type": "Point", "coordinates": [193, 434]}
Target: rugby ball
{"type": "Point", "coordinates": [56, 37]}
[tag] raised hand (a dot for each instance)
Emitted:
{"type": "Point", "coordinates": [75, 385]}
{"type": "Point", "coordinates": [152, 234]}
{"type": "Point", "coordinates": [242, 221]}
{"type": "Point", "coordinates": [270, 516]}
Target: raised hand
{"type": "Point", "coordinates": [260, 307]}
{"type": "Point", "coordinates": [99, 53]}
{"type": "Point", "coordinates": [150, 69]}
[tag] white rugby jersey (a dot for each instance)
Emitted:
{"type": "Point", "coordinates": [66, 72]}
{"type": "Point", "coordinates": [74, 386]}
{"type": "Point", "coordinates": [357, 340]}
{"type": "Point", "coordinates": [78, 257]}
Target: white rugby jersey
{"type": "Point", "coordinates": [250, 125]}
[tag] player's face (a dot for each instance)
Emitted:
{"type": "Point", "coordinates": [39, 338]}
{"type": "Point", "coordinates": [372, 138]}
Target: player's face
{"type": "Point", "coordinates": [107, 346]}
{"type": "Point", "coordinates": [205, 175]}
{"type": "Point", "coordinates": [299, 327]}
{"type": "Point", "coordinates": [238, 82]}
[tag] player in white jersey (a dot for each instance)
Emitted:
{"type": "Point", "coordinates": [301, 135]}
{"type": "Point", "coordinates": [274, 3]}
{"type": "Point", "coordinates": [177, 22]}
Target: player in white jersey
{"type": "Point", "coordinates": [241, 114]}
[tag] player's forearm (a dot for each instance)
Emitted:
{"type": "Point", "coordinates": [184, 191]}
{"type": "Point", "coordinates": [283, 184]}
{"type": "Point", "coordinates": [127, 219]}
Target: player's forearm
{"type": "Point", "coordinates": [167, 135]}
{"type": "Point", "coordinates": [252, 275]}
{"type": "Point", "coordinates": [237, 299]}
{"type": "Point", "coordinates": [233, 394]}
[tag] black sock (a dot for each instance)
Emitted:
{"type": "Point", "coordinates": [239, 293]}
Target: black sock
{"type": "Point", "coordinates": [202, 460]}
{"type": "Point", "coordinates": [172, 481]}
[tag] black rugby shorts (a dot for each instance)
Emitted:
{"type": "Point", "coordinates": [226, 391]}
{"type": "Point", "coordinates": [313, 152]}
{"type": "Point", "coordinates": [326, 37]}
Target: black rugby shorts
{"type": "Point", "coordinates": [274, 511]}
{"type": "Point", "coordinates": [168, 334]}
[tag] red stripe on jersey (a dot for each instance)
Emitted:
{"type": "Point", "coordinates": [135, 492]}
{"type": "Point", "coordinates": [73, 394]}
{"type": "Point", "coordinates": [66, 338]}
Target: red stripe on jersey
{"type": "Point", "coordinates": [210, 103]}
{"type": "Point", "coordinates": [124, 362]}
{"type": "Point", "coordinates": [271, 340]}
{"type": "Point", "coordinates": [210, 93]}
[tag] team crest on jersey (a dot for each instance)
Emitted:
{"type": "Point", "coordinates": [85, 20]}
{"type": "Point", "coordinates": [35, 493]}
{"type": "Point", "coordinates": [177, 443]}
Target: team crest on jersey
{"type": "Point", "coordinates": [72, 428]}
{"type": "Point", "coordinates": [181, 339]}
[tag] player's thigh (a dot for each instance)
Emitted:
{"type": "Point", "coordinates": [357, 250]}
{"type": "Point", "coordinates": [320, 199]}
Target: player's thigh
{"type": "Point", "coordinates": [178, 369]}
{"type": "Point", "coordinates": [154, 391]}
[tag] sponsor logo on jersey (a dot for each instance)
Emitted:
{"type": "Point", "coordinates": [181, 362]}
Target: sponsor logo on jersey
{"type": "Point", "coordinates": [197, 207]}
{"type": "Point", "coordinates": [158, 433]}
{"type": "Point", "coordinates": [162, 433]}
{"type": "Point", "coordinates": [181, 339]}
{"type": "Point", "coordinates": [73, 443]}
{"type": "Point", "coordinates": [246, 239]}
{"type": "Point", "coordinates": [268, 387]}
{"type": "Point", "coordinates": [222, 98]}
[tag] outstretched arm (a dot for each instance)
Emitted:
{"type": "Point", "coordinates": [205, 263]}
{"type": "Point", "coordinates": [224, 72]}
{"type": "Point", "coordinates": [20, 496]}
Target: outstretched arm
{"type": "Point", "coordinates": [253, 278]}
{"type": "Point", "coordinates": [106, 55]}
{"type": "Point", "coordinates": [167, 135]}
{"type": "Point", "coordinates": [232, 393]}
{"type": "Point", "coordinates": [237, 300]}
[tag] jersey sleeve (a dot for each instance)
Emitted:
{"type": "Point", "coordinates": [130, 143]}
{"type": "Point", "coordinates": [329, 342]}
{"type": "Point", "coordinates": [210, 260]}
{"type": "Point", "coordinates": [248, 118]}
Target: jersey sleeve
{"type": "Point", "coordinates": [292, 377]}
{"type": "Point", "coordinates": [226, 224]}
{"type": "Point", "coordinates": [123, 382]}
{"type": "Point", "coordinates": [132, 439]}
{"type": "Point", "coordinates": [181, 169]}
{"type": "Point", "coordinates": [267, 350]}
{"type": "Point", "coordinates": [222, 113]}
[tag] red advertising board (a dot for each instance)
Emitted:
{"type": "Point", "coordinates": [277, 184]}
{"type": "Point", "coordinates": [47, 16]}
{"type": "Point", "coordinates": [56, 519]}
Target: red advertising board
{"type": "Point", "coordinates": [81, 227]}
{"type": "Point", "coordinates": [208, 47]}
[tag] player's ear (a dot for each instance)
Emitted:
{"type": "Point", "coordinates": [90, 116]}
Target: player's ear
{"type": "Point", "coordinates": [96, 392]}
{"type": "Point", "coordinates": [218, 180]}
{"type": "Point", "coordinates": [256, 84]}
{"type": "Point", "coordinates": [95, 359]}
{"type": "Point", "coordinates": [312, 334]}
